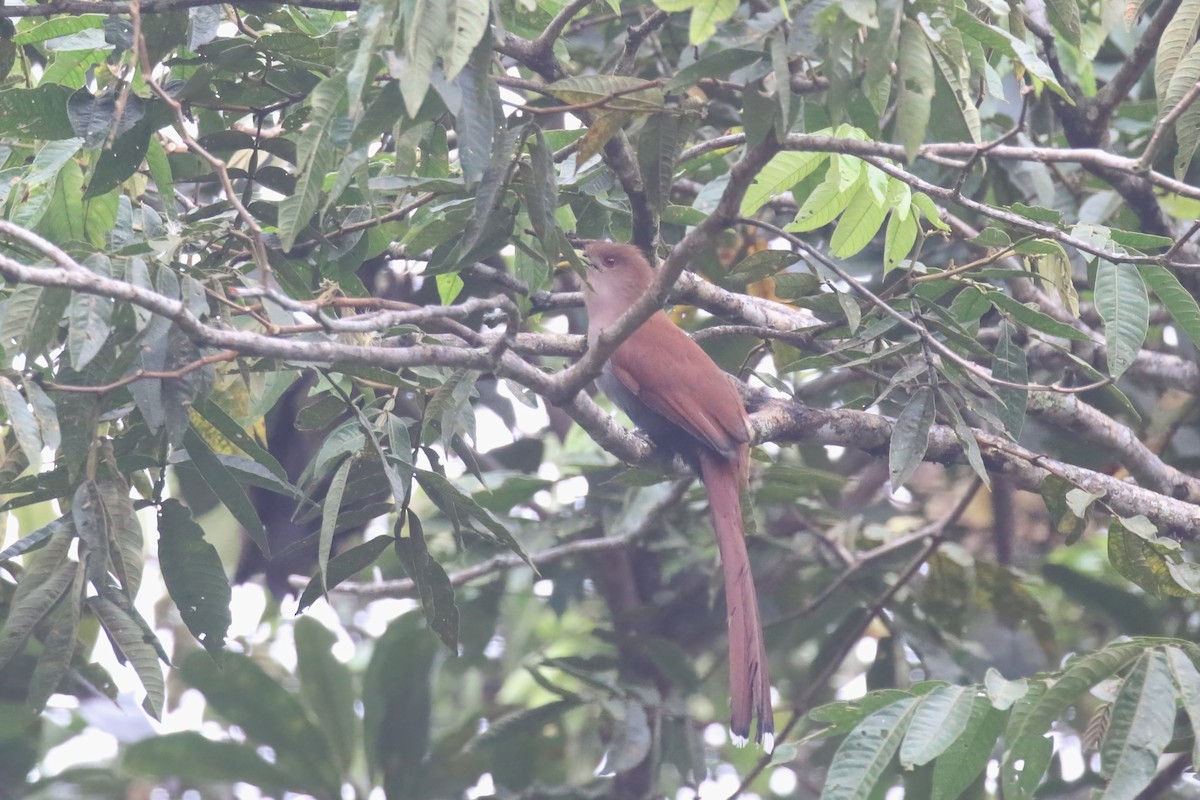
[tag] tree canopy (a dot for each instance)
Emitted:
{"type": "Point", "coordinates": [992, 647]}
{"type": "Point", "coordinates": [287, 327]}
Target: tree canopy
{"type": "Point", "coordinates": [281, 317]}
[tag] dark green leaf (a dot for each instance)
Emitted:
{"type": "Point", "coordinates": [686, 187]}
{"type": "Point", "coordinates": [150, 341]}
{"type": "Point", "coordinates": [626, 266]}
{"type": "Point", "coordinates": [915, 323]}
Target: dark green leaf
{"type": "Point", "coordinates": [433, 586]}
{"type": "Point", "coordinates": [227, 487]}
{"type": "Point", "coordinates": [1141, 723]}
{"type": "Point", "coordinates": [342, 566]}
{"type": "Point", "coordinates": [134, 641]}
{"type": "Point", "coordinates": [910, 436]}
{"type": "Point", "coordinates": [190, 757]}
{"type": "Point", "coordinates": [1009, 364]}
{"type": "Point", "coordinates": [1123, 305]}
{"type": "Point", "coordinates": [327, 686]}
{"type": "Point", "coordinates": [194, 576]}
{"type": "Point", "coordinates": [866, 752]}
{"type": "Point", "coordinates": [241, 692]}
{"type": "Point", "coordinates": [397, 700]}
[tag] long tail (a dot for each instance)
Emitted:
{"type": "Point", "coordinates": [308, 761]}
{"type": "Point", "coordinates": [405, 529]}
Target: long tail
{"type": "Point", "coordinates": [749, 682]}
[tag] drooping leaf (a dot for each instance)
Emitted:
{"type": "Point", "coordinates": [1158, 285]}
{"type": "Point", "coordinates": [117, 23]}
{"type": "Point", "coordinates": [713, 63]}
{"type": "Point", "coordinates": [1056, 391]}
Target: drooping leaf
{"type": "Point", "coordinates": [1178, 300]}
{"type": "Point", "coordinates": [468, 23]}
{"type": "Point", "coordinates": [190, 757]}
{"type": "Point", "coordinates": [90, 317]}
{"type": "Point", "coordinates": [936, 723]}
{"type": "Point", "coordinates": [226, 486]}
{"type": "Point", "coordinates": [133, 639]}
{"type": "Point", "coordinates": [778, 176]}
{"type": "Point", "coordinates": [326, 684]}
{"type": "Point", "coordinates": [397, 702]}
{"type": "Point", "coordinates": [315, 158]}
{"type": "Point", "coordinates": [433, 586]}
{"type": "Point", "coordinates": [917, 86]}
{"type": "Point", "coordinates": [1122, 303]}
{"type": "Point", "coordinates": [342, 566]}
{"type": "Point", "coordinates": [1009, 364]}
{"type": "Point", "coordinates": [910, 436]}
{"type": "Point", "coordinates": [866, 752]}
{"type": "Point", "coordinates": [194, 576]}
{"type": "Point", "coordinates": [1140, 726]}
{"type": "Point", "coordinates": [330, 506]}
{"type": "Point", "coordinates": [23, 423]}
{"type": "Point", "coordinates": [58, 646]}
{"type": "Point", "coordinates": [241, 692]}
{"type": "Point", "coordinates": [967, 757]}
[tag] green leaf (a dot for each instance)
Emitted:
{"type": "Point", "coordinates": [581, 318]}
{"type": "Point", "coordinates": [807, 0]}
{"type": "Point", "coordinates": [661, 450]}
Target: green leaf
{"type": "Point", "coordinates": [859, 223]}
{"type": "Point", "coordinates": [1187, 681]}
{"type": "Point", "coordinates": [32, 542]}
{"type": "Point", "coordinates": [191, 758]}
{"type": "Point", "coordinates": [659, 144]}
{"type": "Point", "coordinates": [898, 239]}
{"type": "Point", "coordinates": [93, 526]}
{"type": "Point", "coordinates": [1031, 317]}
{"type": "Point", "coordinates": [59, 644]}
{"type": "Point", "coordinates": [132, 638]}
{"type": "Point", "coordinates": [29, 609]}
{"type": "Point", "coordinates": [236, 434]}
{"type": "Point", "coordinates": [917, 86]}
{"type": "Point", "coordinates": [829, 199]}
{"type": "Point", "coordinates": [1009, 364]}
{"type": "Point", "coordinates": [1064, 16]}
{"type": "Point", "coordinates": [459, 506]}
{"type": "Point", "coordinates": [1140, 726]}
{"type": "Point", "coordinates": [477, 119]}
{"type": "Point", "coordinates": [327, 685]}
{"type": "Point", "coordinates": [1122, 303]}
{"type": "Point", "coordinates": [1140, 241]}
{"type": "Point", "coordinates": [44, 412]}
{"type": "Point", "coordinates": [433, 586]}
{"type": "Point", "coordinates": [970, 446]}
{"type": "Point", "coordinates": [966, 758]}
{"type": "Point", "coordinates": [194, 576]}
{"type": "Point", "coordinates": [24, 424]}
{"type": "Point", "coordinates": [242, 693]}
{"type": "Point", "coordinates": [938, 721]}
{"type": "Point", "coordinates": [397, 701]}
{"type": "Point", "coordinates": [228, 489]}
{"type": "Point", "coordinates": [720, 63]}
{"type": "Point", "coordinates": [468, 24]}
{"type": "Point", "coordinates": [759, 265]}
{"type": "Point", "coordinates": [425, 31]}
{"type": "Point", "coordinates": [1178, 300]}
{"type": "Point", "coordinates": [342, 566]}
{"type": "Point", "coordinates": [126, 542]}
{"type": "Point", "coordinates": [330, 506]}
{"type": "Point", "coordinates": [706, 16]}
{"type": "Point", "coordinates": [910, 436]}
{"type": "Point", "coordinates": [619, 92]}
{"type": "Point", "coordinates": [784, 171]}
{"type": "Point", "coordinates": [1187, 139]}
{"type": "Point", "coordinates": [1041, 710]}
{"type": "Point", "coordinates": [1179, 34]}
{"type": "Point", "coordinates": [315, 158]}
{"type": "Point", "coordinates": [89, 316]}
{"type": "Point", "coordinates": [866, 752]}
{"type": "Point", "coordinates": [1150, 561]}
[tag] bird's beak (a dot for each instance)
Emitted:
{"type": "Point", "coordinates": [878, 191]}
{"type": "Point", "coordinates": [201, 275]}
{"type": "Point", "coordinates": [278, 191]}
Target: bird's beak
{"type": "Point", "coordinates": [576, 258]}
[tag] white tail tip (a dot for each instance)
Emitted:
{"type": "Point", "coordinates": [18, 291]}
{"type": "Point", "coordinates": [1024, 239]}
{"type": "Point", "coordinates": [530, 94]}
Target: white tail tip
{"type": "Point", "coordinates": [768, 743]}
{"type": "Point", "coordinates": [739, 741]}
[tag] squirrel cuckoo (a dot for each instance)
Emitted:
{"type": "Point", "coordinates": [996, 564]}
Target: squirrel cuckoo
{"type": "Point", "coordinates": [674, 392]}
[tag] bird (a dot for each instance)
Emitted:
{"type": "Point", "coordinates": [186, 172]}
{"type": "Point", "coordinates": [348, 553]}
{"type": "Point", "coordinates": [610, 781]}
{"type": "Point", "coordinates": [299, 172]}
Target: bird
{"type": "Point", "coordinates": [674, 392]}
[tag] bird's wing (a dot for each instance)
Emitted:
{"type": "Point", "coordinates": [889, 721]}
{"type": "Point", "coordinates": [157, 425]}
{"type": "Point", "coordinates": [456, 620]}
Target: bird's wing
{"type": "Point", "coordinates": [669, 372]}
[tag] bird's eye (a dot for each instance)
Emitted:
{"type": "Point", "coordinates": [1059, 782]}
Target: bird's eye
{"type": "Point", "coordinates": [610, 261]}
